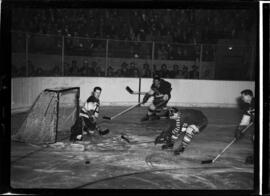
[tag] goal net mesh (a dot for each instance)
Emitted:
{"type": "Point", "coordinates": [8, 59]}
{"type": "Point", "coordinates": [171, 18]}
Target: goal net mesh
{"type": "Point", "coordinates": [50, 117]}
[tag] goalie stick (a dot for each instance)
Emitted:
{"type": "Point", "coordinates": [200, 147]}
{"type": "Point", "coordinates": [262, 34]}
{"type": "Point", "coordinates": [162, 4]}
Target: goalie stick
{"type": "Point", "coordinates": [234, 139]}
{"type": "Point", "coordinates": [134, 92]}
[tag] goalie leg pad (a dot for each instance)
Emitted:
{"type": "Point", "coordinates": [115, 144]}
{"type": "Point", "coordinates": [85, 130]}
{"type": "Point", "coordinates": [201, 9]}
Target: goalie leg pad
{"type": "Point", "coordinates": [76, 129]}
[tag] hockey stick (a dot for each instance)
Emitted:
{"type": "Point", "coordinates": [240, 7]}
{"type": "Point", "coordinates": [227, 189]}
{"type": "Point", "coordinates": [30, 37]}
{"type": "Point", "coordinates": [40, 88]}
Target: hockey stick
{"type": "Point", "coordinates": [134, 92]}
{"type": "Point", "coordinates": [121, 113]}
{"type": "Point", "coordinates": [234, 139]}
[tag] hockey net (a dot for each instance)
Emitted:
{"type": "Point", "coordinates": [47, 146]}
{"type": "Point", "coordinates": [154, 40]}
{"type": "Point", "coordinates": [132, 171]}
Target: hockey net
{"type": "Point", "coordinates": [50, 117]}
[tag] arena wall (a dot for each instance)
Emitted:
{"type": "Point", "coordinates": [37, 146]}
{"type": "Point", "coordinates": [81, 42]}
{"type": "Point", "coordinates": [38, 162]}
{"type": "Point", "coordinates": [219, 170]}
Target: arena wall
{"type": "Point", "coordinates": [193, 93]}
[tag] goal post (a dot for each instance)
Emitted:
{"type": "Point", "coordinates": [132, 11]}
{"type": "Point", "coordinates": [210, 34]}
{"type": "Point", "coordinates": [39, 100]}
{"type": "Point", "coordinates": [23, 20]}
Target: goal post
{"type": "Point", "coordinates": [51, 116]}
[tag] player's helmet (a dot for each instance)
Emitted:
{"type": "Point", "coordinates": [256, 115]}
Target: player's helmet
{"type": "Point", "coordinates": [172, 111]}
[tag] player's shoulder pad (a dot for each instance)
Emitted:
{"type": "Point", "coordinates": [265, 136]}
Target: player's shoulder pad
{"type": "Point", "coordinates": [92, 99]}
{"type": "Point", "coordinates": [166, 84]}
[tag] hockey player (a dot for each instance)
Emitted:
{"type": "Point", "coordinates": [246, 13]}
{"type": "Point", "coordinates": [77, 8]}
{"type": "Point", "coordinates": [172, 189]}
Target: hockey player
{"type": "Point", "coordinates": [161, 91]}
{"type": "Point", "coordinates": [247, 118]}
{"type": "Point", "coordinates": [87, 121]}
{"type": "Point", "coordinates": [185, 123]}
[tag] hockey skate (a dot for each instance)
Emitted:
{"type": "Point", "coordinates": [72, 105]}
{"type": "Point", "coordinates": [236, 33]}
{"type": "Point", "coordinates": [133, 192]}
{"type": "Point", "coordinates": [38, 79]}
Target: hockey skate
{"type": "Point", "coordinates": [145, 118]}
{"type": "Point", "coordinates": [178, 151]}
{"type": "Point", "coordinates": [167, 146]}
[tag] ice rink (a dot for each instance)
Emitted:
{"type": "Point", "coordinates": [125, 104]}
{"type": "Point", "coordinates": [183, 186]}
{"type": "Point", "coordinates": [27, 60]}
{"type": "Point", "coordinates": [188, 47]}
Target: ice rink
{"type": "Point", "coordinates": [109, 162]}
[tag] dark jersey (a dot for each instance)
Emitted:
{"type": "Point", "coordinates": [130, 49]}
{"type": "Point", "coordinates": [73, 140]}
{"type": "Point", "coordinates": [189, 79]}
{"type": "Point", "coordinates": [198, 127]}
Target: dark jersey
{"type": "Point", "coordinates": [249, 109]}
{"type": "Point", "coordinates": [189, 117]}
{"type": "Point", "coordinates": [164, 88]}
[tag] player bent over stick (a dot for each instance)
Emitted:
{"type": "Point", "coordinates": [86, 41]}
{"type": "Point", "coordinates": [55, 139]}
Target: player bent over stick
{"type": "Point", "coordinates": [161, 90]}
{"type": "Point", "coordinates": [87, 121]}
{"type": "Point", "coordinates": [186, 123]}
{"type": "Point", "coordinates": [247, 118]}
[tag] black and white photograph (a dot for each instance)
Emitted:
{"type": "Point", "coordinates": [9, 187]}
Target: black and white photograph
{"type": "Point", "coordinates": [156, 97]}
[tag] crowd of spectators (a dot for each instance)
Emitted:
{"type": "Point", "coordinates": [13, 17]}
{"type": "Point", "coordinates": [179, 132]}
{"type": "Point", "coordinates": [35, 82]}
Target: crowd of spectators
{"type": "Point", "coordinates": [185, 26]}
{"type": "Point", "coordinates": [167, 25]}
{"type": "Point", "coordinates": [146, 72]}
{"type": "Point", "coordinates": [176, 33]}
{"type": "Point", "coordinates": [94, 70]}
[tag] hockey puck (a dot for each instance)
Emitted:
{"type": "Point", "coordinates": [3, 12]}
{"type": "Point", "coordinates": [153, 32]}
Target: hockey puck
{"type": "Point", "coordinates": [87, 162]}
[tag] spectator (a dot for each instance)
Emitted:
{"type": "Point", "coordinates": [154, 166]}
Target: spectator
{"type": "Point", "coordinates": [99, 72]}
{"type": "Point", "coordinates": [110, 72]}
{"type": "Point", "coordinates": [91, 71]}
{"type": "Point", "coordinates": [84, 68]}
{"type": "Point", "coordinates": [185, 72]}
{"type": "Point", "coordinates": [133, 70]}
{"type": "Point", "coordinates": [40, 72]}
{"type": "Point", "coordinates": [31, 68]}
{"type": "Point", "coordinates": [73, 70]}
{"type": "Point", "coordinates": [66, 68]}
{"type": "Point", "coordinates": [124, 72]}
{"type": "Point", "coordinates": [194, 73]}
{"type": "Point", "coordinates": [155, 71]}
{"type": "Point", "coordinates": [55, 71]}
{"type": "Point", "coordinates": [175, 71]}
{"type": "Point", "coordinates": [164, 72]}
{"type": "Point", "coordinates": [146, 72]}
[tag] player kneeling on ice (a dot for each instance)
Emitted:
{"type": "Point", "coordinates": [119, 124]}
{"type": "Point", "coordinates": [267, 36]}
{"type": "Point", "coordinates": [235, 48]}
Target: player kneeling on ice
{"type": "Point", "coordinates": [161, 91]}
{"type": "Point", "coordinates": [247, 118]}
{"type": "Point", "coordinates": [184, 125]}
{"type": "Point", "coordinates": [87, 121]}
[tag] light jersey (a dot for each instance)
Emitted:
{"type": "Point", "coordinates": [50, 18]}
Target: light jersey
{"type": "Point", "coordinates": [90, 108]}
{"type": "Point", "coordinates": [248, 114]}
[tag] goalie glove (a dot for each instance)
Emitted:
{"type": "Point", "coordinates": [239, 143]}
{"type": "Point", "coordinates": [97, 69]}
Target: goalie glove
{"type": "Point", "coordinates": [238, 132]}
{"type": "Point", "coordinates": [145, 98]}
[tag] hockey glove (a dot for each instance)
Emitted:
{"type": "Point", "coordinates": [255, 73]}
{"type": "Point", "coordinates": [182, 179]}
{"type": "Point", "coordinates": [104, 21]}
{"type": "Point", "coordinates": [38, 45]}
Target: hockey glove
{"type": "Point", "coordinates": [145, 98]}
{"type": "Point", "coordinates": [238, 132]}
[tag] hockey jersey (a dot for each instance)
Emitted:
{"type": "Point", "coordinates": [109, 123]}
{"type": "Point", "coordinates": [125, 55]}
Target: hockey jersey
{"type": "Point", "coordinates": [164, 88]}
{"type": "Point", "coordinates": [249, 109]}
{"type": "Point", "coordinates": [91, 107]}
{"type": "Point", "coordinates": [188, 117]}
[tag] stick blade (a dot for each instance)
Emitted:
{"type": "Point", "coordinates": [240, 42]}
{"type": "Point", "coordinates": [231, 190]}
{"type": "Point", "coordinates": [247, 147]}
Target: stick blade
{"type": "Point", "coordinates": [129, 90]}
{"type": "Point", "coordinates": [106, 117]}
{"type": "Point", "coordinates": [207, 162]}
